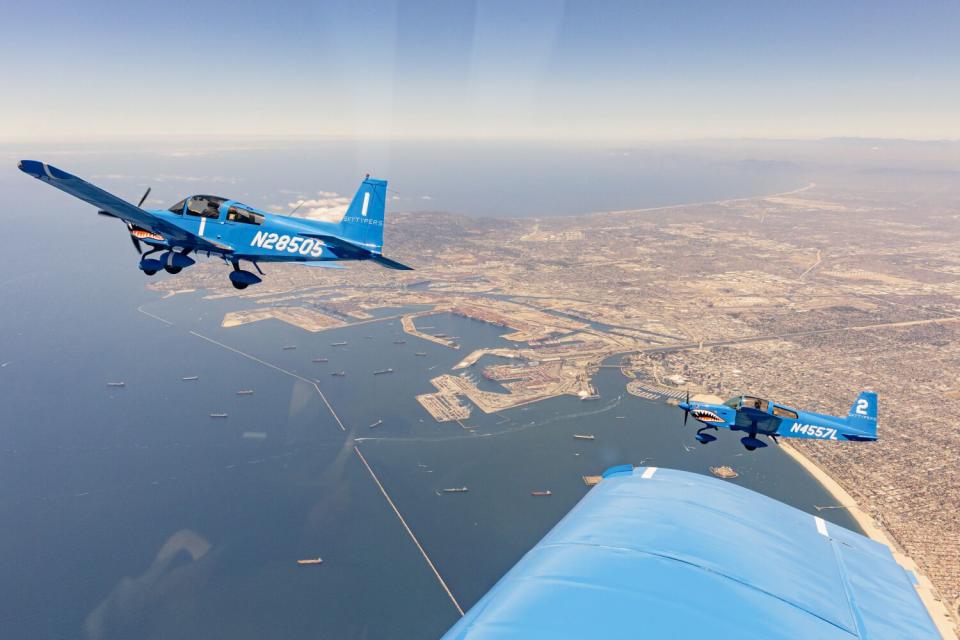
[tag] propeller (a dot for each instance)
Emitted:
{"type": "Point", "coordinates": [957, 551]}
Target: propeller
{"type": "Point", "coordinates": [133, 238]}
{"type": "Point", "coordinates": [686, 408]}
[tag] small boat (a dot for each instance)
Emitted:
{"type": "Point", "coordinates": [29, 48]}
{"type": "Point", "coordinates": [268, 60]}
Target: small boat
{"type": "Point", "coordinates": [439, 335]}
{"type": "Point", "coordinates": [377, 373]}
{"type": "Point", "coordinates": [594, 396]}
{"type": "Point", "coordinates": [188, 378]}
{"type": "Point", "coordinates": [420, 353]}
{"type": "Point", "coordinates": [456, 490]}
{"type": "Point", "coordinates": [245, 392]}
{"type": "Point", "coordinates": [546, 492]}
{"type": "Point", "coordinates": [218, 415]}
{"type": "Point", "coordinates": [724, 472]}
{"type": "Point", "coordinates": [368, 337]}
{"type": "Point", "coordinates": [116, 384]}
{"type": "Point", "coordinates": [338, 344]}
{"type": "Point", "coordinates": [290, 347]}
{"type": "Point", "coordinates": [376, 424]}
{"type": "Point", "coordinates": [399, 342]}
{"type": "Point", "coordinates": [339, 374]}
{"type": "Point", "coordinates": [580, 436]}
{"type": "Point", "coordinates": [620, 417]}
{"type": "Point", "coordinates": [311, 561]}
{"type": "Point", "coordinates": [321, 359]}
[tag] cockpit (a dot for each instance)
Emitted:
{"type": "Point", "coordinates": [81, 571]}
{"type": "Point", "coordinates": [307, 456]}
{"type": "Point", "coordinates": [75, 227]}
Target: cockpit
{"type": "Point", "coordinates": [200, 206]}
{"type": "Point", "coordinates": [759, 404]}
{"type": "Point", "coordinates": [748, 402]}
{"type": "Point", "coordinates": [210, 207]}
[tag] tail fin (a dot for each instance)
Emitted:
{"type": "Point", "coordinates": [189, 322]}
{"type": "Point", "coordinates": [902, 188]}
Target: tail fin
{"type": "Point", "coordinates": [863, 414]}
{"type": "Point", "coordinates": [362, 224]}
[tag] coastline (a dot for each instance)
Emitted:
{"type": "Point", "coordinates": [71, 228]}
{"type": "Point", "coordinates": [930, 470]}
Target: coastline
{"type": "Point", "coordinates": [935, 606]}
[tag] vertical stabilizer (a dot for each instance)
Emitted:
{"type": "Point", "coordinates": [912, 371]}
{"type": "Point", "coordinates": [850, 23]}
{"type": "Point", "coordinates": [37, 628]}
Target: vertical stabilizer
{"type": "Point", "coordinates": [863, 414]}
{"type": "Point", "coordinates": [362, 224]}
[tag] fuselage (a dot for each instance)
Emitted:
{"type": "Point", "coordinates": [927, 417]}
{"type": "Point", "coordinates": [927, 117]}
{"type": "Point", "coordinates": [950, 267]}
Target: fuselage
{"type": "Point", "coordinates": [761, 417]}
{"type": "Point", "coordinates": [253, 234]}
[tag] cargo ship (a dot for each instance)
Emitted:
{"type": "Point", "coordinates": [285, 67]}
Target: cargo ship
{"type": "Point", "coordinates": [218, 415]}
{"type": "Point", "coordinates": [376, 424]}
{"type": "Point", "coordinates": [546, 492]}
{"type": "Point", "coordinates": [311, 561]}
{"type": "Point", "coordinates": [580, 436]}
{"type": "Point", "coordinates": [381, 371]}
{"type": "Point", "coordinates": [290, 347]}
{"type": "Point", "coordinates": [188, 378]}
{"type": "Point", "coordinates": [321, 360]}
{"type": "Point", "coordinates": [399, 342]}
{"type": "Point", "coordinates": [245, 392]}
{"type": "Point", "coordinates": [116, 384]}
{"type": "Point", "coordinates": [339, 374]}
{"type": "Point", "coordinates": [338, 344]}
{"type": "Point", "coordinates": [420, 353]}
{"type": "Point", "coordinates": [456, 490]}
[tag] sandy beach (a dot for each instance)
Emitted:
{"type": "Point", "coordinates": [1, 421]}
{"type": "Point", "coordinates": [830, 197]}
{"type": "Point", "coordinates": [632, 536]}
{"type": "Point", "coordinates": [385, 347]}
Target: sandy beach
{"type": "Point", "coordinates": [938, 611]}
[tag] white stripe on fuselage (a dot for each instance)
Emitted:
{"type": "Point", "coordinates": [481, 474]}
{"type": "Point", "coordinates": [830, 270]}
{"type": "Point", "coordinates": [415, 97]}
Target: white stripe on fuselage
{"type": "Point", "coordinates": [203, 224]}
{"type": "Point", "coordinates": [366, 203]}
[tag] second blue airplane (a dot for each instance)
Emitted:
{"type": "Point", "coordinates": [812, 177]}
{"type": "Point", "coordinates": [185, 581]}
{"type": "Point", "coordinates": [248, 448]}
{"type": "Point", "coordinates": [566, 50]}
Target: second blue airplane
{"type": "Point", "coordinates": [234, 231]}
{"type": "Point", "coordinates": [759, 417]}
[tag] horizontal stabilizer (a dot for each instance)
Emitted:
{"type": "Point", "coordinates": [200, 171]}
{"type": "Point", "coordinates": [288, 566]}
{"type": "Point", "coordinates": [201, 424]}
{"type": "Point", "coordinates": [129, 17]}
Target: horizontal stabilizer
{"type": "Point", "coordinates": [390, 264]}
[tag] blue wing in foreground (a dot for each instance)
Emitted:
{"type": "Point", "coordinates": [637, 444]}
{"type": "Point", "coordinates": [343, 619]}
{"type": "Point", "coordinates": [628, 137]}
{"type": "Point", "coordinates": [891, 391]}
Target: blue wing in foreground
{"type": "Point", "coordinates": [658, 553]}
{"type": "Point", "coordinates": [117, 207]}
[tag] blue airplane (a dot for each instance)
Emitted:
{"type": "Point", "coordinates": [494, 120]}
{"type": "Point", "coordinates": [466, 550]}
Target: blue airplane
{"type": "Point", "coordinates": [759, 417]}
{"type": "Point", "coordinates": [234, 231]}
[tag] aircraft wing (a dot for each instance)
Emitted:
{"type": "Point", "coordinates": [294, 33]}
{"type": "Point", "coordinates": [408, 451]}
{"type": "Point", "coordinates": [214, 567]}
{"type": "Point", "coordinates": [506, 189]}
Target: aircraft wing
{"type": "Point", "coordinates": [118, 207]}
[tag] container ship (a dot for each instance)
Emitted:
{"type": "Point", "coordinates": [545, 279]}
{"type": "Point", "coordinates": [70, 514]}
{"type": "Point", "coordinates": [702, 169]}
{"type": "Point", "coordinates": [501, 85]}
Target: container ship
{"type": "Point", "coordinates": [382, 371]}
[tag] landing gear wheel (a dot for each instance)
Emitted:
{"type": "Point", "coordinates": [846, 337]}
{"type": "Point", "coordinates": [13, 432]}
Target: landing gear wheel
{"type": "Point", "coordinates": [173, 270]}
{"type": "Point", "coordinates": [149, 272]}
{"type": "Point", "coordinates": [239, 285]}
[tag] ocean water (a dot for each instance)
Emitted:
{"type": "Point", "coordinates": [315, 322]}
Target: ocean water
{"type": "Point", "coordinates": [131, 513]}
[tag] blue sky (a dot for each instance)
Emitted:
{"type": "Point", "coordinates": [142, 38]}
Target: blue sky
{"type": "Point", "coordinates": [488, 69]}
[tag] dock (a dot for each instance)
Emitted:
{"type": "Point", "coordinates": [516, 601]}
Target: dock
{"type": "Point", "coordinates": [408, 326]}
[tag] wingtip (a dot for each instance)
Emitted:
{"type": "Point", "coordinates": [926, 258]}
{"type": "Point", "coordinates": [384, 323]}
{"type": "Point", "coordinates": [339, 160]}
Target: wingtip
{"type": "Point", "coordinates": [31, 167]}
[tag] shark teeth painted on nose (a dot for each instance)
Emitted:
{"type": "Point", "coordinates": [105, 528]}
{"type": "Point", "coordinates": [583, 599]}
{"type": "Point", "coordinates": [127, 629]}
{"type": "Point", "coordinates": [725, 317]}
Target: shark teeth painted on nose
{"type": "Point", "coordinates": [704, 415]}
